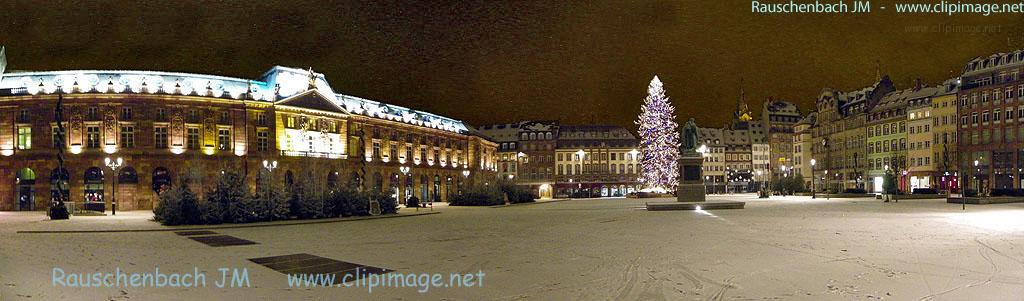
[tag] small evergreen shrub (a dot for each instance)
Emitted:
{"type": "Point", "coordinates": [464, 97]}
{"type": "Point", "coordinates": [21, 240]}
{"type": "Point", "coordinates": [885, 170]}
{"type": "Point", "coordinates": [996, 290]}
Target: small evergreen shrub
{"type": "Point", "coordinates": [178, 206]}
{"type": "Point", "coordinates": [388, 204]}
{"type": "Point", "coordinates": [486, 195]}
{"type": "Point", "coordinates": [413, 202]}
{"type": "Point", "coordinates": [212, 212]}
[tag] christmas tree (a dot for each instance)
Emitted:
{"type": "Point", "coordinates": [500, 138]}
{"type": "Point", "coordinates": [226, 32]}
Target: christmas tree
{"type": "Point", "coordinates": [659, 141]}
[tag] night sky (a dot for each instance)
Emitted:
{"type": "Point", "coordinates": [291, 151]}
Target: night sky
{"type": "Point", "coordinates": [496, 61]}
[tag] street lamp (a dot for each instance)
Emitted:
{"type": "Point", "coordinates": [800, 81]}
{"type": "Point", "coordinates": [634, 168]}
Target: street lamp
{"type": "Point", "coordinates": [465, 173]}
{"type": "Point", "coordinates": [582, 156]}
{"type": "Point", "coordinates": [813, 162]}
{"type": "Point", "coordinates": [270, 165]}
{"type": "Point", "coordinates": [760, 184]}
{"type": "Point", "coordinates": [114, 165]}
{"type": "Point", "coordinates": [977, 182]}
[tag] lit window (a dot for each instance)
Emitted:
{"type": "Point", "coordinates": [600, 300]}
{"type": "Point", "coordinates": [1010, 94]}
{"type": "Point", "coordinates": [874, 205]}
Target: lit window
{"type": "Point", "coordinates": [24, 137]}
{"type": "Point", "coordinates": [223, 139]}
{"type": "Point", "coordinates": [92, 137]}
{"type": "Point", "coordinates": [160, 137]}
{"type": "Point", "coordinates": [127, 136]}
{"type": "Point", "coordinates": [192, 138]}
{"type": "Point", "coordinates": [262, 140]}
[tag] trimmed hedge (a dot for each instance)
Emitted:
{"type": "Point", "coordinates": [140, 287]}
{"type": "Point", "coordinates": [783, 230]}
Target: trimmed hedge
{"type": "Point", "coordinates": [924, 191]}
{"type": "Point", "coordinates": [478, 196]}
{"type": "Point", "coordinates": [1006, 192]}
{"type": "Point", "coordinates": [230, 202]}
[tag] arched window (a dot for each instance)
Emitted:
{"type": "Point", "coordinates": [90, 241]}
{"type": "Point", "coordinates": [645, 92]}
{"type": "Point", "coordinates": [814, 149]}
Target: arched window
{"type": "Point", "coordinates": [437, 188]}
{"type": "Point", "coordinates": [353, 180]}
{"type": "Point", "coordinates": [93, 185]}
{"type": "Point", "coordinates": [161, 180]}
{"type": "Point", "coordinates": [408, 186]}
{"type": "Point", "coordinates": [393, 185]}
{"type": "Point", "coordinates": [127, 175]}
{"type": "Point", "coordinates": [25, 178]}
{"type": "Point", "coordinates": [448, 188]}
{"type": "Point", "coordinates": [332, 180]}
{"type": "Point", "coordinates": [424, 184]}
{"type": "Point", "coordinates": [59, 183]}
{"type": "Point", "coordinates": [378, 182]}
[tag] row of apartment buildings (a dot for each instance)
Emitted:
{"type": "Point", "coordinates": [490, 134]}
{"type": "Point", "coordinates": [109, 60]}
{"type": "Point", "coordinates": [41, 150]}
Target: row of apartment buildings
{"type": "Point", "coordinates": [748, 153]}
{"type": "Point", "coordinates": [929, 136]}
{"type": "Point", "coordinates": [963, 132]}
{"type": "Point", "coordinates": [557, 160]}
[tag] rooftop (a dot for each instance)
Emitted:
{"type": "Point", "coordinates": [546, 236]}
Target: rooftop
{"type": "Point", "coordinates": [277, 83]}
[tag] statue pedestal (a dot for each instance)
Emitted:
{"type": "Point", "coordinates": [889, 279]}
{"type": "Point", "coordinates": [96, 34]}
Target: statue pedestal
{"type": "Point", "coordinates": [691, 180]}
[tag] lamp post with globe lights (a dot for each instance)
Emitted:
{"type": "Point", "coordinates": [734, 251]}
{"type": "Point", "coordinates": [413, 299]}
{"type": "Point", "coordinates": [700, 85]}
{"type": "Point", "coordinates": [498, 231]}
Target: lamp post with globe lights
{"type": "Point", "coordinates": [703, 150]}
{"type": "Point", "coordinates": [269, 166]}
{"type": "Point", "coordinates": [113, 164]}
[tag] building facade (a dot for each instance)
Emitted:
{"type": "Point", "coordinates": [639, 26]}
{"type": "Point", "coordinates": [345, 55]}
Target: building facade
{"type": "Point", "coordinates": [944, 127]}
{"type": "Point", "coordinates": [167, 126]}
{"type": "Point", "coordinates": [714, 159]}
{"type": "Point", "coordinates": [530, 155]}
{"type": "Point", "coordinates": [840, 136]}
{"type": "Point", "coordinates": [596, 160]}
{"type": "Point", "coordinates": [802, 155]}
{"type": "Point", "coordinates": [920, 164]}
{"type": "Point", "coordinates": [887, 139]}
{"type": "Point", "coordinates": [990, 107]}
{"type": "Point", "coordinates": [778, 118]}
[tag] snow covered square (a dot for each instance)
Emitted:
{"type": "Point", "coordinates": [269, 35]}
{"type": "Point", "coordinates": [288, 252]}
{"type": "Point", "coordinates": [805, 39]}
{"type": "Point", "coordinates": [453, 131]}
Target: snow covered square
{"type": "Point", "coordinates": [793, 248]}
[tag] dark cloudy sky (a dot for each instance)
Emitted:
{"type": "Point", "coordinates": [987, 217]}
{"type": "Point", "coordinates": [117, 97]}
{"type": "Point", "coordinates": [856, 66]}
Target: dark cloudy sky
{"type": "Point", "coordinates": [500, 61]}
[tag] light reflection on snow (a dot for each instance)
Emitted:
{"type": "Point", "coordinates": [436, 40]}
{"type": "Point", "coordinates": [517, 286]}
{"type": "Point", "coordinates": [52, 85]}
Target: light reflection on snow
{"type": "Point", "coordinates": [1003, 220]}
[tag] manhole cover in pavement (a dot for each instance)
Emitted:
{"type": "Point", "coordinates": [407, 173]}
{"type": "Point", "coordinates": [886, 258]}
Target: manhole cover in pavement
{"type": "Point", "coordinates": [311, 264]}
{"type": "Point", "coordinates": [199, 232]}
{"type": "Point", "coordinates": [222, 240]}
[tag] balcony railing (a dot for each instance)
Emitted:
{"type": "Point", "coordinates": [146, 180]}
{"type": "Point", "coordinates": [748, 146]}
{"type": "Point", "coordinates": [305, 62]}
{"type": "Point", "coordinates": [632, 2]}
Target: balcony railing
{"type": "Point", "coordinates": [312, 154]}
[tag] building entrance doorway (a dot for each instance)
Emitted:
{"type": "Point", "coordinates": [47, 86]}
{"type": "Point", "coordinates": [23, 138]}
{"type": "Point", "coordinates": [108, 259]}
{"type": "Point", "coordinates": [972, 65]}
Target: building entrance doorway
{"type": "Point", "coordinates": [25, 181]}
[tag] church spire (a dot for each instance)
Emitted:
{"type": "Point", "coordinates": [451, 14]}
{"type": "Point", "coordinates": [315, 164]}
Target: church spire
{"type": "Point", "coordinates": [878, 71]}
{"type": "Point", "coordinates": [740, 100]}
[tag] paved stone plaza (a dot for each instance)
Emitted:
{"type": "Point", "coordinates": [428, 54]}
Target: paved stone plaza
{"type": "Point", "coordinates": [782, 248]}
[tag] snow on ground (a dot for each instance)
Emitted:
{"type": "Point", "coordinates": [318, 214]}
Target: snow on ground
{"type": "Point", "coordinates": [782, 248]}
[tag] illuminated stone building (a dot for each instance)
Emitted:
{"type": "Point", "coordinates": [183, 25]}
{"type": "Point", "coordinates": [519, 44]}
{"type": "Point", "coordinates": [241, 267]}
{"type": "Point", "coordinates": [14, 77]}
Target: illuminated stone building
{"type": "Point", "coordinates": [778, 118]}
{"type": "Point", "coordinates": [886, 129]}
{"type": "Point", "coordinates": [529, 154]}
{"type": "Point", "coordinates": [991, 108]}
{"type": "Point", "coordinates": [839, 133]}
{"type": "Point", "coordinates": [922, 172]}
{"type": "Point", "coordinates": [596, 160]}
{"type": "Point", "coordinates": [944, 125]}
{"type": "Point", "coordinates": [714, 159]}
{"type": "Point", "coordinates": [166, 125]}
{"type": "Point", "coordinates": [802, 145]}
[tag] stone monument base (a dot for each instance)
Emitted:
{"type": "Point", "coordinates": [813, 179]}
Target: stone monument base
{"type": "Point", "coordinates": [665, 206]}
{"type": "Point", "coordinates": [691, 182]}
{"type": "Point", "coordinates": [690, 193]}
